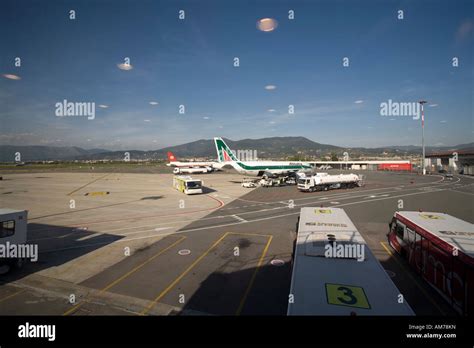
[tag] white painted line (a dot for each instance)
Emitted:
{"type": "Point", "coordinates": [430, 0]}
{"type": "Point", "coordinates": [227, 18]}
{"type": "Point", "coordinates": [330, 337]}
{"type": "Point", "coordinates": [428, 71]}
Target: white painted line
{"type": "Point", "coordinates": [231, 224]}
{"type": "Point", "coordinates": [92, 235]}
{"type": "Point", "coordinates": [228, 224]}
{"type": "Point", "coordinates": [239, 218]}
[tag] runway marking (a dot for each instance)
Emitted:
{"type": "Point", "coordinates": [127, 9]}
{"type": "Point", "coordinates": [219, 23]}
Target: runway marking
{"type": "Point", "coordinates": [415, 281]}
{"type": "Point", "coordinates": [12, 295]}
{"type": "Point", "coordinates": [199, 259]}
{"type": "Point", "coordinates": [230, 224]}
{"type": "Point", "coordinates": [181, 276]}
{"type": "Point", "coordinates": [91, 182]}
{"type": "Point", "coordinates": [254, 275]}
{"type": "Point", "coordinates": [92, 235]}
{"type": "Point", "coordinates": [126, 275]}
{"type": "Point", "coordinates": [248, 221]}
{"type": "Point", "coordinates": [221, 204]}
{"type": "Point", "coordinates": [265, 203]}
{"type": "Point", "coordinates": [239, 218]}
{"type": "Point", "coordinates": [347, 193]}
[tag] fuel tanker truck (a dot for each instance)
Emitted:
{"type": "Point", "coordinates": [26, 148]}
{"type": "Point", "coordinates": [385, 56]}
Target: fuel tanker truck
{"type": "Point", "coordinates": [324, 182]}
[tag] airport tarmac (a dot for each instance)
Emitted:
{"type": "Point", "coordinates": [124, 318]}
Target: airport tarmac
{"type": "Point", "coordinates": [117, 243]}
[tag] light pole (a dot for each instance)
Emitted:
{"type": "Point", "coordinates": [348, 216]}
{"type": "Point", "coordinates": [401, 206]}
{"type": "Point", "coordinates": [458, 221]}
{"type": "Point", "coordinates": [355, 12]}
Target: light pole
{"type": "Point", "coordinates": [423, 135]}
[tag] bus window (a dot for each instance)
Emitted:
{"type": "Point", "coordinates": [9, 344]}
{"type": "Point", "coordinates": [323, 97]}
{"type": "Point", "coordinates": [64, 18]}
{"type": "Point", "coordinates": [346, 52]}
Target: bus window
{"type": "Point", "coordinates": [193, 184]}
{"type": "Point", "coordinates": [400, 230]}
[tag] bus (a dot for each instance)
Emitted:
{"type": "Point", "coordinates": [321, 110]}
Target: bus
{"type": "Point", "coordinates": [334, 271]}
{"type": "Point", "coordinates": [187, 185]}
{"type": "Point", "coordinates": [440, 248]}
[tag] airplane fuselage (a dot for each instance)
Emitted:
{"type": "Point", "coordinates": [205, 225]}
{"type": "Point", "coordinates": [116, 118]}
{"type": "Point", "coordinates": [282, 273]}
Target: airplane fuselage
{"type": "Point", "coordinates": [260, 168]}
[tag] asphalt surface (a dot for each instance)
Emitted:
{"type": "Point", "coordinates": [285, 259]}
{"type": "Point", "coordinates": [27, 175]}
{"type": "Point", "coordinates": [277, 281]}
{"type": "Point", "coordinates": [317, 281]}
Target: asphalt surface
{"type": "Point", "coordinates": [236, 259]}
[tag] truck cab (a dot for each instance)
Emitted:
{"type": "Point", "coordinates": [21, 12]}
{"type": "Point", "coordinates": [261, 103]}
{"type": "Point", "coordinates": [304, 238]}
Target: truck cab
{"type": "Point", "coordinates": [13, 231]}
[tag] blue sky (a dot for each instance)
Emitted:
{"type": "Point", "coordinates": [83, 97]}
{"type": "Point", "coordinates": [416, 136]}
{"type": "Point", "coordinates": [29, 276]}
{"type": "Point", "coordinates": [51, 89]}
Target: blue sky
{"type": "Point", "coordinates": [190, 62]}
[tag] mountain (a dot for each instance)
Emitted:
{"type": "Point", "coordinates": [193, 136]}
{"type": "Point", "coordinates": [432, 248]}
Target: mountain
{"type": "Point", "coordinates": [275, 147]}
{"type": "Point", "coordinates": [265, 147]}
{"type": "Point", "coordinates": [43, 153]}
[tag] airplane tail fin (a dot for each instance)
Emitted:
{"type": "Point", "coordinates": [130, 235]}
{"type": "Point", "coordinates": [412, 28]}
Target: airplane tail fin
{"type": "Point", "coordinates": [224, 153]}
{"type": "Point", "coordinates": [171, 157]}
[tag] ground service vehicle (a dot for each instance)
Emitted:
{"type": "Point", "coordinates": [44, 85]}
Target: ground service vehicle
{"type": "Point", "coordinates": [249, 183]}
{"type": "Point", "coordinates": [13, 232]}
{"type": "Point", "coordinates": [203, 170]}
{"type": "Point", "coordinates": [187, 185]}
{"type": "Point", "coordinates": [334, 271]}
{"type": "Point", "coordinates": [440, 248]}
{"type": "Point", "coordinates": [324, 182]}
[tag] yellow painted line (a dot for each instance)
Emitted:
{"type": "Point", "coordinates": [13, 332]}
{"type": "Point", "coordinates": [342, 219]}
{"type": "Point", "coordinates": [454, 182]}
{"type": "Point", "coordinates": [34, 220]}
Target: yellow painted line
{"type": "Point", "coordinates": [93, 181]}
{"type": "Point", "coordinates": [415, 281]}
{"type": "Point", "coordinates": [186, 271]}
{"type": "Point", "coordinates": [97, 193]}
{"type": "Point", "coordinates": [12, 295]}
{"type": "Point", "coordinates": [126, 275]}
{"type": "Point", "coordinates": [254, 275]}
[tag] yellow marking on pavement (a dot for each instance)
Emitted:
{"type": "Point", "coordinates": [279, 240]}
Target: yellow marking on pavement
{"type": "Point", "coordinates": [97, 193]}
{"type": "Point", "coordinates": [254, 275]}
{"type": "Point", "coordinates": [126, 275]}
{"type": "Point", "coordinates": [91, 182]}
{"type": "Point", "coordinates": [12, 295]}
{"type": "Point", "coordinates": [415, 281]}
{"type": "Point", "coordinates": [186, 271]}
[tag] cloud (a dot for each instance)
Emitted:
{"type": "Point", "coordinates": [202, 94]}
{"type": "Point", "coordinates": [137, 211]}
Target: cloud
{"type": "Point", "coordinates": [154, 103]}
{"type": "Point", "coordinates": [464, 30]}
{"type": "Point", "coordinates": [358, 102]}
{"type": "Point", "coordinates": [270, 87]}
{"type": "Point", "coordinates": [103, 106]}
{"type": "Point", "coordinates": [11, 77]}
{"type": "Point", "coordinates": [433, 105]}
{"type": "Point", "coordinates": [124, 66]}
{"type": "Point", "coordinates": [206, 117]}
{"type": "Point", "coordinates": [146, 121]}
{"type": "Point", "coordinates": [267, 24]}
{"type": "Point", "coordinates": [271, 110]}
{"type": "Point", "coordinates": [443, 121]}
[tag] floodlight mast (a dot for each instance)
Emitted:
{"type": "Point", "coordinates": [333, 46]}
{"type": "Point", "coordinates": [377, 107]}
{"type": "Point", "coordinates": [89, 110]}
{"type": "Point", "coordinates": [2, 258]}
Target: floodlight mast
{"type": "Point", "coordinates": [422, 102]}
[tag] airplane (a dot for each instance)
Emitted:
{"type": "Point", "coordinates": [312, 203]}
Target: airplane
{"type": "Point", "coordinates": [189, 167]}
{"type": "Point", "coordinates": [227, 158]}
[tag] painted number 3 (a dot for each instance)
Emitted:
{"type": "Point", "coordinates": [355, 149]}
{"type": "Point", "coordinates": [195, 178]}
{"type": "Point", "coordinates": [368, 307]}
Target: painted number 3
{"type": "Point", "coordinates": [348, 298]}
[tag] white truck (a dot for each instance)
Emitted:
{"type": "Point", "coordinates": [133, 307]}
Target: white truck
{"type": "Point", "coordinates": [324, 182]}
{"type": "Point", "coordinates": [13, 228]}
{"type": "Point", "coordinates": [200, 170]}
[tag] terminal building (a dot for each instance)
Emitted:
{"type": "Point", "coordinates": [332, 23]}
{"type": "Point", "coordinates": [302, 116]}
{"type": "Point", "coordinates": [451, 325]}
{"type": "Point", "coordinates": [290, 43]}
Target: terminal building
{"type": "Point", "coordinates": [364, 165]}
{"type": "Point", "coordinates": [461, 161]}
